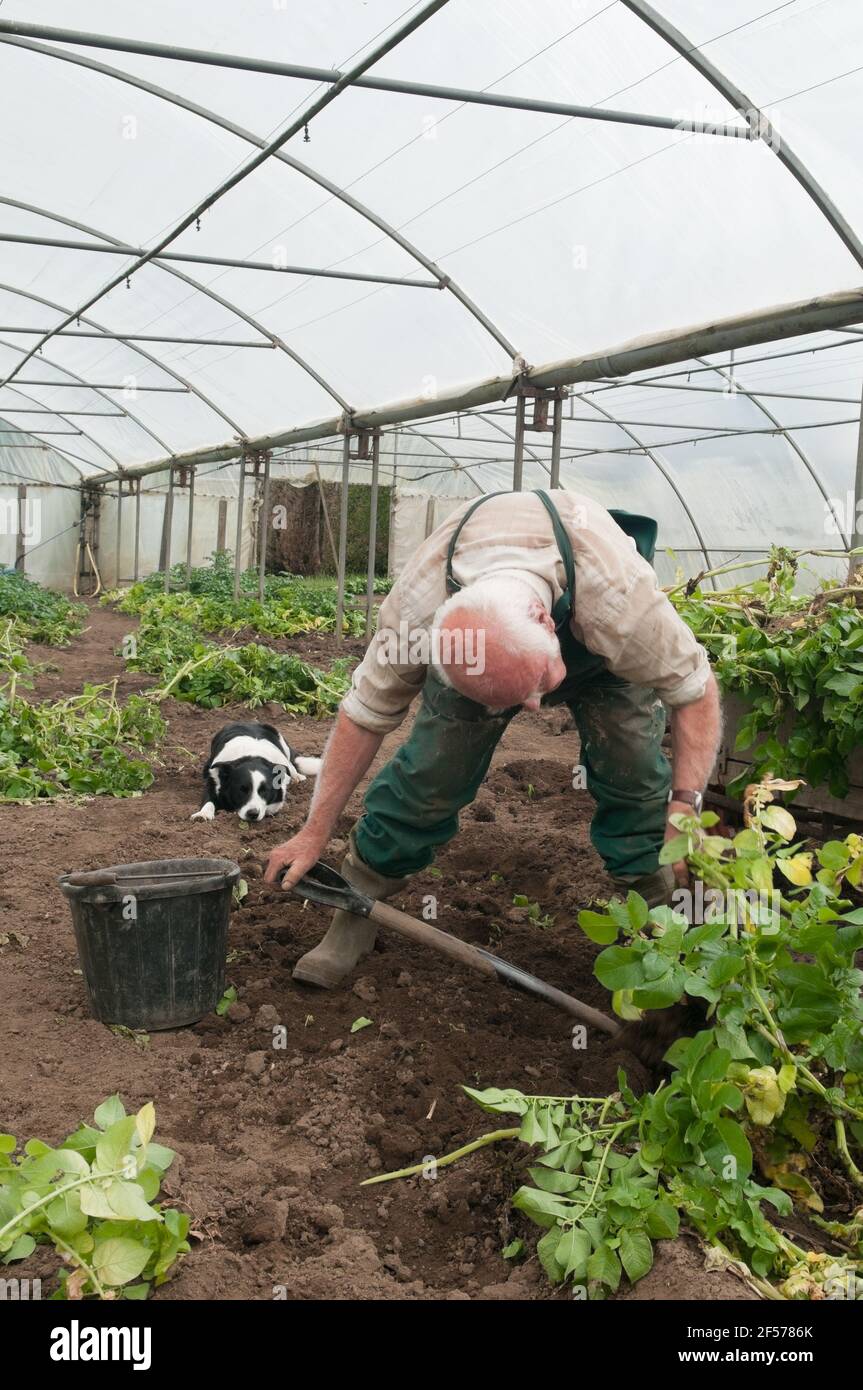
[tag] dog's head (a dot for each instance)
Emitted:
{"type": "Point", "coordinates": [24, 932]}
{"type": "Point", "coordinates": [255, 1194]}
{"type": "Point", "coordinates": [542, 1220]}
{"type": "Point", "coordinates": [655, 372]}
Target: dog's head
{"type": "Point", "coordinates": [249, 786]}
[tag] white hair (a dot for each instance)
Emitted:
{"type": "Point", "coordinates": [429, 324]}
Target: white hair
{"type": "Point", "coordinates": [505, 603]}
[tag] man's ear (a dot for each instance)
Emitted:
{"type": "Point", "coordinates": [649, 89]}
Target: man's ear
{"type": "Point", "coordinates": [541, 615]}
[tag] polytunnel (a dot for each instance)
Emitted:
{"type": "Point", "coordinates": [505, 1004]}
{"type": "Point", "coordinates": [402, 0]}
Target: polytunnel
{"type": "Point", "coordinates": [616, 248]}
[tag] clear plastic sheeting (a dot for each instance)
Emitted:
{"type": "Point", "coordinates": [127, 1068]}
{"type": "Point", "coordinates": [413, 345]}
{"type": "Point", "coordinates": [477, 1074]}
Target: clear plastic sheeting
{"type": "Point", "coordinates": [457, 241]}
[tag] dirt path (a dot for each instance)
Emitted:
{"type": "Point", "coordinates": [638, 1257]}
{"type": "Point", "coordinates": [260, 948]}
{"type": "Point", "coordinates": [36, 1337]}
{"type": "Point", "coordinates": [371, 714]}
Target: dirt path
{"type": "Point", "coordinates": [274, 1143]}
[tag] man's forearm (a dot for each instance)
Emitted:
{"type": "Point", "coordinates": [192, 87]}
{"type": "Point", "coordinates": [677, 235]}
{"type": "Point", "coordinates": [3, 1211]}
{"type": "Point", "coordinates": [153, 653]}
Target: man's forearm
{"type": "Point", "coordinates": [347, 757]}
{"type": "Point", "coordinates": [695, 733]}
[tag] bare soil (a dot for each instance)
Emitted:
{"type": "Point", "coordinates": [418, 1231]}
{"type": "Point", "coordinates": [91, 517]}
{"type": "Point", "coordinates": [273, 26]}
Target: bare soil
{"type": "Point", "coordinates": [273, 1144]}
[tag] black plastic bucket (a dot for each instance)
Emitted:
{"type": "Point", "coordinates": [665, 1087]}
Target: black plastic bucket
{"type": "Point", "coordinates": [152, 939]}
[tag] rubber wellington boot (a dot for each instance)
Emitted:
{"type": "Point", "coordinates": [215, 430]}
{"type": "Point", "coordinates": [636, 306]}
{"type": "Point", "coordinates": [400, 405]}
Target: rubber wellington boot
{"type": "Point", "coordinates": [656, 888]}
{"type": "Point", "coordinates": [349, 937]}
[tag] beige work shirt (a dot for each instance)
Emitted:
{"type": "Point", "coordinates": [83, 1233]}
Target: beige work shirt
{"type": "Point", "coordinates": [620, 614]}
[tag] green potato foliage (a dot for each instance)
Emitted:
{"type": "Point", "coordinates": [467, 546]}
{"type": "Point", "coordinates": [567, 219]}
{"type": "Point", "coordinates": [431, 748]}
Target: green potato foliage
{"type": "Point", "coordinates": [84, 745]}
{"type": "Point", "coordinates": [170, 641]}
{"type": "Point", "coordinates": [39, 615]}
{"type": "Point", "coordinates": [204, 673]}
{"type": "Point", "coordinates": [94, 1200]}
{"type": "Point", "coordinates": [291, 603]}
{"type": "Point", "coordinates": [756, 1110]}
{"type": "Point", "coordinates": [87, 744]}
{"type": "Point", "coordinates": [796, 660]}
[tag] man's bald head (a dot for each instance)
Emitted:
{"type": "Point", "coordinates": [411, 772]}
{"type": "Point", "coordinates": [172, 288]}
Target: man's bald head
{"type": "Point", "coordinates": [497, 644]}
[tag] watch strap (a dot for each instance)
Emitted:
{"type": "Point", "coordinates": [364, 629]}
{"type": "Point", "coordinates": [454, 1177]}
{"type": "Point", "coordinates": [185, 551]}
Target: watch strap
{"type": "Point", "coordinates": [688, 798]}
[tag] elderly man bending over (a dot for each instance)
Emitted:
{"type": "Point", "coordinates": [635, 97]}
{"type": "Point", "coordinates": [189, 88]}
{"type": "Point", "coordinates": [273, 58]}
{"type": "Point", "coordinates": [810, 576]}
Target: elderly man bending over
{"type": "Point", "coordinates": [516, 601]}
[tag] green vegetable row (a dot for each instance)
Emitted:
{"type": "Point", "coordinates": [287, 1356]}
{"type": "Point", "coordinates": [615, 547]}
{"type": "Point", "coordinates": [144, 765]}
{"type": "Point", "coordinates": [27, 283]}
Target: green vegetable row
{"type": "Point", "coordinates": [39, 615]}
{"type": "Point", "coordinates": [291, 604]}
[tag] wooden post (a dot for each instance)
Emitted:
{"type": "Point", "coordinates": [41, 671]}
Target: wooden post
{"type": "Point", "coordinates": [222, 525]}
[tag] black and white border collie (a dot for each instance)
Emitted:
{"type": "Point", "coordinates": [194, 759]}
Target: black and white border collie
{"type": "Point", "coordinates": [249, 770]}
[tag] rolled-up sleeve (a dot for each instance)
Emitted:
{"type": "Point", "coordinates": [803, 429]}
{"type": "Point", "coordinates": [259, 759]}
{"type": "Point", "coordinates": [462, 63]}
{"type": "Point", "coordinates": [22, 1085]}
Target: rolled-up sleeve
{"type": "Point", "coordinates": [644, 640]}
{"type": "Point", "coordinates": [385, 683]}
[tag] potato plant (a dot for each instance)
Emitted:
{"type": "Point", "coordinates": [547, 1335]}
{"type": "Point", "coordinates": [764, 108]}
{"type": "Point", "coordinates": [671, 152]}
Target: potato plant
{"type": "Point", "coordinates": [37, 614]}
{"type": "Point", "coordinates": [760, 1113]}
{"type": "Point", "coordinates": [291, 603]}
{"type": "Point", "coordinates": [796, 660]}
{"type": "Point", "coordinates": [84, 745]}
{"type": "Point", "coordinates": [93, 1199]}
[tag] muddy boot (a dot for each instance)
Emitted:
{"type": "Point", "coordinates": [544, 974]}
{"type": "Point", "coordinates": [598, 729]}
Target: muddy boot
{"type": "Point", "coordinates": [656, 888]}
{"type": "Point", "coordinates": [349, 937]}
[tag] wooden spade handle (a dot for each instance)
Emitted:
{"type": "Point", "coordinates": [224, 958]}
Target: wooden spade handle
{"type": "Point", "coordinates": [487, 964]}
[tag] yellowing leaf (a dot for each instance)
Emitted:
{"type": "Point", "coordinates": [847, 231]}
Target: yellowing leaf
{"type": "Point", "coordinates": [780, 820]}
{"type": "Point", "coordinates": [145, 1123]}
{"type": "Point", "coordinates": [621, 1002]}
{"type": "Point", "coordinates": [764, 1097]}
{"type": "Point", "coordinates": [797, 869]}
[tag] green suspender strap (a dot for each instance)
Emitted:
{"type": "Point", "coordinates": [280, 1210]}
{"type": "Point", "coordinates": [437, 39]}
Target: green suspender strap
{"type": "Point", "coordinates": [563, 607]}
{"type": "Point", "coordinates": [642, 529]}
{"type": "Point", "coordinates": [452, 584]}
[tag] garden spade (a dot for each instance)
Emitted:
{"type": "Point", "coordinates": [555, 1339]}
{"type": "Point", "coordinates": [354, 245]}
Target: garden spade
{"type": "Point", "coordinates": [325, 886]}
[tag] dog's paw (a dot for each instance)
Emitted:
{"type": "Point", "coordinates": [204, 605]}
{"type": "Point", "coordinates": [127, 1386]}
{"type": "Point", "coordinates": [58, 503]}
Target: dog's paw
{"type": "Point", "coordinates": [207, 812]}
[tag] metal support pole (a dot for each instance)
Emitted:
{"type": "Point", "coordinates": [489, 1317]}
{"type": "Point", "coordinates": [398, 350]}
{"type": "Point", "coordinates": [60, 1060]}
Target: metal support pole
{"type": "Point", "coordinates": [238, 547]}
{"type": "Point", "coordinates": [556, 428]}
{"type": "Point", "coordinates": [137, 529]}
{"type": "Point", "coordinates": [829, 312]}
{"type": "Point", "coordinates": [189, 527]}
{"type": "Point", "coordinates": [264, 528]}
{"type": "Point", "coordinates": [136, 337]}
{"type": "Point", "coordinates": [433, 91]}
{"type": "Point", "coordinates": [119, 532]}
{"type": "Point", "coordinates": [373, 532]}
{"type": "Point", "coordinates": [857, 529]}
{"type": "Point", "coordinates": [169, 521]}
{"type": "Point", "coordinates": [21, 535]}
{"type": "Point", "coordinates": [393, 503]}
{"type": "Point", "coordinates": [343, 536]}
{"type": "Point", "coordinates": [518, 454]}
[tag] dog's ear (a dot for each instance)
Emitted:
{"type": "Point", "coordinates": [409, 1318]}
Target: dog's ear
{"type": "Point", "coordinates": [224, 770]}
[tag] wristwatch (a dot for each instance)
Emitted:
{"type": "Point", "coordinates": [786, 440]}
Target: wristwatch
{"type": "Point", "coordinates": [695, 799]}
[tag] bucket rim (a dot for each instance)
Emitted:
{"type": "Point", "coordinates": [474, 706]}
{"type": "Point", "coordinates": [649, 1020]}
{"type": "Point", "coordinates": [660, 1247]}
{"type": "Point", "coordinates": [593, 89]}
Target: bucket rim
{"type": "Point", "coordinates": [154, 878]}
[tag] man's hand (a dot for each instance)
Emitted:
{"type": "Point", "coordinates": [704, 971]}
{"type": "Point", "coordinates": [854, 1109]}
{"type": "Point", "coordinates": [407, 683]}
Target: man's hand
{"type": "Point", "coordinates": [347, 757]}
{"type": "Point", "coordinates": [300, 852]}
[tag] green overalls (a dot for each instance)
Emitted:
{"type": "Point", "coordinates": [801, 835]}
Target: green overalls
{"type": "Point", "coordinates": [412, 805]}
